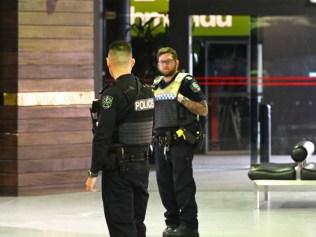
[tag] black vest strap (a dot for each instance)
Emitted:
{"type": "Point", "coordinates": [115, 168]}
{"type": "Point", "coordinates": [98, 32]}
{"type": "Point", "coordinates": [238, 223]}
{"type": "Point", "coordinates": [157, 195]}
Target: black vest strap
{"type": "Point", "coordinates": [122, 114]}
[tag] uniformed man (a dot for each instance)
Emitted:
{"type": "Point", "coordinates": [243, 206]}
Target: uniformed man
{"type": "Point", "coordinates": [120, 145]}
{"type": "Point", "coordinates": [179, 102]}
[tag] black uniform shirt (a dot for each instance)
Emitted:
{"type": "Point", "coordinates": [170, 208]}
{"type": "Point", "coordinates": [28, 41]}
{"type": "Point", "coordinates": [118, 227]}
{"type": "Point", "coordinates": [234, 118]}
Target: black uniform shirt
{"type": "Point", "coordinates": [113, 103]}
{"type": "Point", "coordinates": [189, 88]}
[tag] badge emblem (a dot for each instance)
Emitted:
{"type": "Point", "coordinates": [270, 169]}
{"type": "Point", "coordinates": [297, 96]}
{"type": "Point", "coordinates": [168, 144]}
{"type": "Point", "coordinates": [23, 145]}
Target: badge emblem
{"type": "Point", "coordinates": [107, 102]}
{"type": "Point", "coordinates": [195, 87]}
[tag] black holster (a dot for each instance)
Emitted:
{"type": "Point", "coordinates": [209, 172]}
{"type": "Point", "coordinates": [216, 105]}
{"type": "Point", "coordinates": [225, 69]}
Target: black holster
{"type": "Point", "coordinates": [126, 155]}
{"type": "Point", "coordinates": [120, 159]}
{"type": "Point", "coordinates": [190, 137]}
{"type": "Point", "coordinates": [94, 113]}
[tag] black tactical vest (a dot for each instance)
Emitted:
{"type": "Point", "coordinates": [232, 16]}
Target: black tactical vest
{"type": "Point", "coordinates": [169, 113]}
{"type": "Point", "coordinates": [136, 123]}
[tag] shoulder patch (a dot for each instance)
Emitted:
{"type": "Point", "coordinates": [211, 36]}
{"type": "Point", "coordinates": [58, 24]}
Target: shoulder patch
{"type": "Point", "coordinates": [195, 86]}
{"type": "Point", "coordinates": [107, 102]}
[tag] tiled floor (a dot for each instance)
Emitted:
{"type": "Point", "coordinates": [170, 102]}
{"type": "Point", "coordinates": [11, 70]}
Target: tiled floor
{"type": "Point", "coordinates": [225, 198]}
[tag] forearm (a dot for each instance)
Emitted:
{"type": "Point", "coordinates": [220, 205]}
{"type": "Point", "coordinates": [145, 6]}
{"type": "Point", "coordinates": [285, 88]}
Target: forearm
{"type": "Point", "coordinates": [102, 138]}
{"type": "Point", "coordinates": [100, 147]}
{"type": "Point", "coordinates": [199, 108]}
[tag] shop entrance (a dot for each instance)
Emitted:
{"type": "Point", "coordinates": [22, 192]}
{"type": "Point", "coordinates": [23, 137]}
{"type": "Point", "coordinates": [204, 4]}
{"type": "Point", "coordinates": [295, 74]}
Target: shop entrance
{"type": "Point", "coordinates": [226, 71]}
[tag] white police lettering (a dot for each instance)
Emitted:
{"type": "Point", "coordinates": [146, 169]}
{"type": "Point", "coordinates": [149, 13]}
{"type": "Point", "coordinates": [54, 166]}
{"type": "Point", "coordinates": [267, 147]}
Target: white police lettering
{"type": "Point", "coordinates": [145, 104]}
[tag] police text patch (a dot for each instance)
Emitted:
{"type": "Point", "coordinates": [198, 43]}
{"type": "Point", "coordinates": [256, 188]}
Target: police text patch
{"type": "Point", "coordinates": [107, 102]}
{"type": "Point", "coordinates": [145, 104]}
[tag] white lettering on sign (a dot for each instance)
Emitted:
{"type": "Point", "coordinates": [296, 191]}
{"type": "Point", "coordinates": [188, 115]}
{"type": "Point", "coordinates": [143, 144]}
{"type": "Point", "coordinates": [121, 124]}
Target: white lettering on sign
{"type": "Point", "coordinates": [146, 16]}
{"type": "Point", "coordinates": [145, 104]}
{"type": "Point", "coordinates": [213, 21]}
{"type": "Point", "coordinates": [198, 20]}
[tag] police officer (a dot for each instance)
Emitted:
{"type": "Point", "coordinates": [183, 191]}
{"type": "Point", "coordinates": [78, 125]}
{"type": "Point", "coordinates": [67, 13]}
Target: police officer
{"type": "Point", "coordinates": [120, 144]}
{"type": "Point", "coordinates": [179, 102]}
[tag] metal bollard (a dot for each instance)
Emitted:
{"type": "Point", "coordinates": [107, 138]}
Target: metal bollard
{"type": "Point", "coordinates": [265, 132]}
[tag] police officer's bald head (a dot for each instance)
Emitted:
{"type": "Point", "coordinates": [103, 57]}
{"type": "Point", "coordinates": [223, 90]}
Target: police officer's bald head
{"type": "Point", "coordinates": [120, 53]}
{"type": "Point", "coordinates": [120, 59]}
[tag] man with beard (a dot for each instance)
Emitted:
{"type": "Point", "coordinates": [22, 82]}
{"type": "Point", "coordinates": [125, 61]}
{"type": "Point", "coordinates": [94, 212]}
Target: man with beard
{"type": "Point", "coordinates": [179, 103]}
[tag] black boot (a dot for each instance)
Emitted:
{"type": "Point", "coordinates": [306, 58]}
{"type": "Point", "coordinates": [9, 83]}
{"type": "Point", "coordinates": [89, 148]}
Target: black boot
{"type": "Point", "coordinates": [184, 231]}
{"type": "Point", "coordinates": [168, 230]}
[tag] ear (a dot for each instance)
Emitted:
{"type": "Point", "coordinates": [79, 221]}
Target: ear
{"type": "Point", "coordinates": [177, 63]}
{"type": "Point", "coordinates": [107, 61]}
{"type": "Point", "coordinates": [133, 62]}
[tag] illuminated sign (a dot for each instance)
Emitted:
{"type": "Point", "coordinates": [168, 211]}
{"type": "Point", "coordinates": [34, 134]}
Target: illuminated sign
{"type": "Point", "coordinates": [203, 25]}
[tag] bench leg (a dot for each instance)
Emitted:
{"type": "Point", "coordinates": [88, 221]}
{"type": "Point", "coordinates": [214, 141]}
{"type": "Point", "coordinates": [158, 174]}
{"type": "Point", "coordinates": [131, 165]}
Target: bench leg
{"type": "Point", "coordinates": [266, 193]}
{"type": "Point", "coordinates": [257, 196]}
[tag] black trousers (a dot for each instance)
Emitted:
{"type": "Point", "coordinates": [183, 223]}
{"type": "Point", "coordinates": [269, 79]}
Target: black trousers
{"type": "Point", "coordinates": [176, 184]}
{"type": "Point", "coordinates": [125, 198]}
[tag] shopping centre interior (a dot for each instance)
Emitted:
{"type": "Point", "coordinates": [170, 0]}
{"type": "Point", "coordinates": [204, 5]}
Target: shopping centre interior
{"type": "Point", "coordinates": [255, 60]}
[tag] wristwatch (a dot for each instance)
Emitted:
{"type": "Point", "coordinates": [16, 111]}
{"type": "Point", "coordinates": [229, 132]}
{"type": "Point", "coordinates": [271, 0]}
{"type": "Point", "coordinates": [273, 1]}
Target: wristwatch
{"type": "Point", "coordinates": [91, 174]}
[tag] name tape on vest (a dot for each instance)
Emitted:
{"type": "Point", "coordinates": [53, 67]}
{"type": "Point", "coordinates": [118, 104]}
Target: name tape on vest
{"type": "Point", "coordinates": [145, 104]}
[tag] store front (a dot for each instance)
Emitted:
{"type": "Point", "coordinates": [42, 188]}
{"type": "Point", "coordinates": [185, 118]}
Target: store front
{"type": "Point", "coordinates": [244, 54]}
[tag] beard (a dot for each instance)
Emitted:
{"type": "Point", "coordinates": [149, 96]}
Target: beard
{"type": "Point", "coordinates": [168, 73]}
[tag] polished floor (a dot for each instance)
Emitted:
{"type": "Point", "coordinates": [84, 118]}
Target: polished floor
{"type": "Point", "coordinates": [226, 207]}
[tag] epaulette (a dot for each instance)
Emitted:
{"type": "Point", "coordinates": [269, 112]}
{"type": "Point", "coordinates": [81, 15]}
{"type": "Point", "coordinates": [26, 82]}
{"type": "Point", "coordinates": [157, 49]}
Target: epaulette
{"type": "Point", "coordinates": [189, 77]}
{"type": "Point", "coordinates": [156, 82]}
{"type": "Point", "coordinates": [181, 76]}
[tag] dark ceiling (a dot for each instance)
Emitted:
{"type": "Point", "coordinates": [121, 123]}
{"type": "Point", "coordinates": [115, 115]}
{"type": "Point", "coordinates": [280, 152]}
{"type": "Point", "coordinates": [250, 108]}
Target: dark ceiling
{"type": "Point", "coordinates": [251, 7]}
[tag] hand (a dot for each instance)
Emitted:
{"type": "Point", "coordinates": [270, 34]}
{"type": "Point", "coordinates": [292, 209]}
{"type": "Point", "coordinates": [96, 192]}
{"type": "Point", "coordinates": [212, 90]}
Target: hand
{"type": "Point", "coordinates": [90, 184]}
{"type": "Point", "coordinates": [180, 97]}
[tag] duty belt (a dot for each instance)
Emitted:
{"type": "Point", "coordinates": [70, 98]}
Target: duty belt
{"type": "Point", "coordinates": [130, 154]}
{"type": "Point", "coordinates": [182, 134]}
{"type": "Point", "coordinates": [140, 156]}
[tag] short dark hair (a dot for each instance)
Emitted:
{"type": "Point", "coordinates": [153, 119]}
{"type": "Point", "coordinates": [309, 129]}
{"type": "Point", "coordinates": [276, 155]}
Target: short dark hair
{"type": "Point", "coordinates": [120, 46]}
{"type": "Point", "coordinates": [165, 50]}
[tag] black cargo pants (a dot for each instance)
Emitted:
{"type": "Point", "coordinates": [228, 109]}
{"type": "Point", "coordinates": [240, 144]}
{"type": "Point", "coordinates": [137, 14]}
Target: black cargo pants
{"type": "Point", "coordinates": [125, 198]}
{"type": "Point", "coordinates": [176, 183]}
